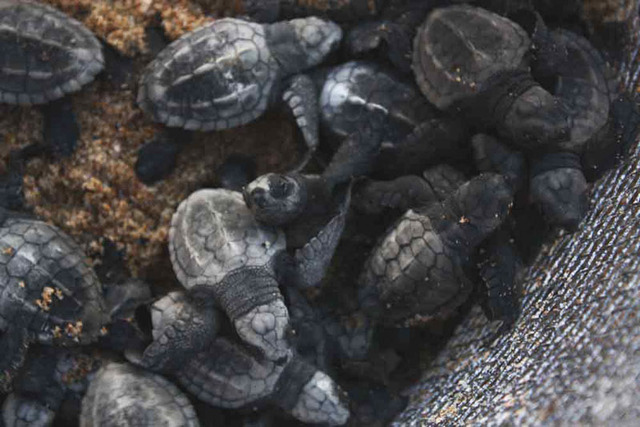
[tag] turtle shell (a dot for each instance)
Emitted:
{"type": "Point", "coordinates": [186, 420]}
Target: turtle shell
{"type": "Point", "coordinates": [362, 92]}
{"type": "Point", "coordinates": [45, 278]}
{"type": "Point", "coordinates": [460, 48]}
{"type": "Point", "coordinates": [44, 54]}
{"type": "Point", "coordinates": [582, 86]}
{"type": "Point", "coordinates": [121, 395]}
{"type": "Point", "coordinates": [216, 77]}
{"type": "Point", "coordinates": [213, 233]}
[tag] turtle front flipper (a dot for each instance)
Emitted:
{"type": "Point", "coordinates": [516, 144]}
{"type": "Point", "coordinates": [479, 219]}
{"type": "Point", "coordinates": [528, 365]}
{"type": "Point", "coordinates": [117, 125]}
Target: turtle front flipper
{"type": "Point", "coordinates": [431, 142]}
{"type": "Point", "coordinates": [157, 158]}
{"type": "Point", "coordinates": [301, 97]}
{"type": "Point", "coordinates": [559, 187]}
{"type": "Point", "coordinates": [492, 156]}
{"type": "Point", "coordinates": [355, 156]}
{"type": "Point", "coordinates": [60, 131]}
{"type": "Point", "coordinates": [19, 410]}
{"type": "Point", "coordinates": [500, 269]}
{"type": "Point", "coordinates": [312, 260]}
{"type": "Point", "coordinates": [181, 327]}
{"type": "Point", "coordinates": [310, 395]}
{"type": "Point", "coordinates": [14, 343]}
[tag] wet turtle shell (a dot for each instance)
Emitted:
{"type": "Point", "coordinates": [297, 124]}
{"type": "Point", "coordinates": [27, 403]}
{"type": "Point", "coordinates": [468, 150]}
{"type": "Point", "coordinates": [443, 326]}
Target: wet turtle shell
{"type": "Point", "coordinates": [459, 49]}
{"type": "Point", "coordinates": [213, 233]}
{"type": "Point", "coordinates": [44, 54]}
{"type": "Point", "coordinates": [360, 92]}
{"type": "Point", "coordinates": [224, 74]}
{"type": "Point", "coordinates": [121, 394]}
{"type": "Point", "coordinates": [45, 279]}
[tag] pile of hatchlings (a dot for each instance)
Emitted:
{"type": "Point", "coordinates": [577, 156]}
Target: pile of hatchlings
{"type": "Point", "coordinates": [432, 159]}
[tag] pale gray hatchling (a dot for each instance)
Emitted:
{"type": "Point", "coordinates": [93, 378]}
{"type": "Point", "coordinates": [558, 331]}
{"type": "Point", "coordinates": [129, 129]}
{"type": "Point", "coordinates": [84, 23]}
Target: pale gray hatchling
{"type": "Point", "coordinates": [123, 395]}
{"type": "Point", "coordinates": [225, 257]}
{"type": "Point", "coordinates": [227, 73]}
{"type": "Point", "coordinates": [224, 373]}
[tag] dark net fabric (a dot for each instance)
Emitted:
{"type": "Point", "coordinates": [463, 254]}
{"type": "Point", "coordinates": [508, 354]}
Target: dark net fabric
{"type": "Point", "coordinates": [573, 357]}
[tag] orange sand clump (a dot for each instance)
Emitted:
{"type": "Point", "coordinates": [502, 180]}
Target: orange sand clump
{"type": "Point", "coordinates": [122, 22]}
{"type": "Point", "coordinates": [95, 192]}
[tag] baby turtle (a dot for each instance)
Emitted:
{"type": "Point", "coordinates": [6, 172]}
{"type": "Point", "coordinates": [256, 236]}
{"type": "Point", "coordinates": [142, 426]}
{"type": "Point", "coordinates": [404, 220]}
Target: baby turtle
{"type": "Point", "coordinates": [417, 270]}
{"type": "Point", "coordinates": [44, 56]}
{"type": "Point", "coordinates": [227, 73]}
{"type": "Point", "coordinates": [471, 59]}
{"type": "Point", "coordinates": [224, 374]}
{"type": "Point", "coordinates": [123, 395]}
{"type": "Point", "coordinates": [558, 184]}
{"type": "Point", "coordinates": [48, 291]}
{"type": "Point", "coordinates": [361, 94]}
{"type": "Point", "coordinates": [219, 250]}
{"type": "Point", "coordinates": [228, 376]}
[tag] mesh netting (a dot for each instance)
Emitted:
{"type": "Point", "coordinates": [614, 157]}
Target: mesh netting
{"type": "Point", "coordinates": [574, 354]}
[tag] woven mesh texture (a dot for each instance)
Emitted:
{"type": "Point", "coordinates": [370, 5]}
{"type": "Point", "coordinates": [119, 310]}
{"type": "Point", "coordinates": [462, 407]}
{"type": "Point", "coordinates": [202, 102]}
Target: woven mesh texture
{"type": "Point", "coordinates": [574, 355]}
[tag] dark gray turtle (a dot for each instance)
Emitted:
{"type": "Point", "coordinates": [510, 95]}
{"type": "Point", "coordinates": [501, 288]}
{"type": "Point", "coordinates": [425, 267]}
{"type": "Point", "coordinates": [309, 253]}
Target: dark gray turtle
{"type": "Point", "coordinates": [227, 73]}
{"type": "Point", "coordinates": [471, 59]}
{"type": "Point", "coordinates": [407, 192]}
{"type": "Point", "coordinates": [417, 270]}
{"type": "Point", "coordinates": [223, 373]}
{"type": "Point", "coordinates": [558, 184]}
{"type": "Point", "coordinates": [221, 254]}
{"type": "Point", "coordinates": [361, 94]}
{"type": "Point", "coordinates": [123, 395]}
{"type": "Point", "coordinates": [46, 55]}
{"type": "Point", "coordinates": [227, 376]}
{"type": "Point", "coordinates": [49, 293]}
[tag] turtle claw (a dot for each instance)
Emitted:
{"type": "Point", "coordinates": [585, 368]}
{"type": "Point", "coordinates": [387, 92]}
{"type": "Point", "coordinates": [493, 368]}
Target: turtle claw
{"type": "Point", "coordinates": [265, 327]}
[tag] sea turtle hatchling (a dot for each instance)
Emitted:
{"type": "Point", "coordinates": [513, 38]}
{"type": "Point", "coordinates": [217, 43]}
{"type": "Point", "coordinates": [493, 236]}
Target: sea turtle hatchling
{"type": "Point", "coordinates": [224, 374]}
{"type": "Point", "coordinates": [218, 249]}
{"type": "Point", "coordinates": [359, 95]}
{"type": "Point", "coordinates": [558, 184]}
{"type": "Point", "coordinates": [417, 270]}
{"type": "Point", "coordinates": [227, 73]}
{"type": "Point", "coordinates": [123, 395]}
{"type": "Point", "coordinates": [48, 291]}
{"type": "Point", "coordinates": [44, 56]}
{"type": "Point", "coordinates": [467, 58]}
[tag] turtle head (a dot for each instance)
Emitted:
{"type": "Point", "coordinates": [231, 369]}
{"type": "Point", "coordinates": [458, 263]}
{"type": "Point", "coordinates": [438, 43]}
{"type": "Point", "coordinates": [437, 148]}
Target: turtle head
{"type": "Point", "coordinates": [276, 199]}
{"type": "Point", "coordinates": [317, 38]}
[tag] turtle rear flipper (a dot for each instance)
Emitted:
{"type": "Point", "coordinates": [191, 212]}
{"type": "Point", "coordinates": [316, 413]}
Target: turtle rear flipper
{"type": "Point", "coordinates": [14, 343]}
{"type": "Point", "coordinates": [301, 97]}
{"type": "Point", "coordinates": [157, 158]}
{"type": "Point", "coordinates": [60, 131]}
{"type": "Point", "coordinates": [180, 328]}
{"type": "Point", "coordinates": [312, 260]}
